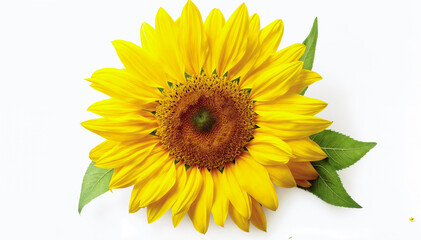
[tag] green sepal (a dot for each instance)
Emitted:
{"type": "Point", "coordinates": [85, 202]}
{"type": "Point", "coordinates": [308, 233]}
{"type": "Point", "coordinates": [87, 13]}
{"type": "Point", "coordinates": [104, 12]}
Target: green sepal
{"type": "Point", "coordinates": [310, 43]}
{"type": "Point", "coordinates": [342, 151]}
{"type": "Point", "coordinates": [95, 182]}
{"type": "Point", "coordinates": [237, 80]}
{"type": "Point", "coordinates": [304, 91]}
{"type": "Point", "coordinates": [328, 186]}
{"type": "Point", "coordinates": [151, 112]}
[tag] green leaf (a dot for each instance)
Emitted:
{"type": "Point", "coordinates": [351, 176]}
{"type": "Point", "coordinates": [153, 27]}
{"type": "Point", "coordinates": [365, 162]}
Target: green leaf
{"type": "Point", "coordinates": [95, 182]}
{"type": "Point", "coordinates": [310, 42]}
{"type": "Point", "coordinates": [328, 186]}
{"type": "Point", "coordinates": [342, 151]}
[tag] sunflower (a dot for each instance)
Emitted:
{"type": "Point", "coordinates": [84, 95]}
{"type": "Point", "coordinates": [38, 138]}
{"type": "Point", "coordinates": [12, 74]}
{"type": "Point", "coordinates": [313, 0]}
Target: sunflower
{"type": "Point", "coordinates": [206, 117]}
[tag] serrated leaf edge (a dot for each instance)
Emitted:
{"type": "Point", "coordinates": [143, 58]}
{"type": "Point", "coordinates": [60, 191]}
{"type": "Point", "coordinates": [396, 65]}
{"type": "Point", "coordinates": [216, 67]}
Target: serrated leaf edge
{"type": "Point", "coordinates": [373, 144]}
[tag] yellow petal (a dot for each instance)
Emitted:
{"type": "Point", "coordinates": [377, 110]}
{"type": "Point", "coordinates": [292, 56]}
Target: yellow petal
{"type": "Point", "coordinates": [306, 150]}
{"type": "Point", "coordinates": [178, 23]}
{"type": "Point", "coordinates": [169, 53]}
{"type": "Point", "coordinates": [139, 62]}
{"type": "Point", "coordinates": [101, 149]}
{"type": "Point", "coordinates": [158, 208]}
{"type": "Point", "coordinates": [213, 27]}
{"type": "Point", "coordinates": [252, 50]}
{"type": "Point", "coordinates": [275, 81]}
{"type": "Point", "coordinates": [281, 175]}
{"type": "Point", "coordinates": [287, 55]}
{"type": "Point", "coordinates": [153, 188]}
{"type": "Point", "coordinates": [220, 202]}
{"type": "Point", "coordinates": [232, 42]}
{"type": "Point", "coordinates": [176, 219]}
{"type": "Point", "coordinates": [126, 152]}
{"type": "Point", "coordinates": [258, 217]}
{"type": "Point", "coordinates": [188, 195]}
{"type": "Point", "coordinates": [290, 126]}
{"type": "Point", "coordinates": [303, 183]}
{"type": "Point", "coordinates": [303, 170]}
{"type": "Point", "coordinates": [199, 211]}
{"type": "Point", "coordinates": [242, 222]}
{"type": "Point", "coordinates": [235, 193]}
{"type": "Point", "coordinates": [293, 103]}
{"type": "Point", "coordinates": [121, 130]}
{"type": "Point", "coordinates": [139, 170]}
{"type": "Point", "coordinates": [192, 38]}
{"type": "Point", "coordinates": [122, 85]}
{"type": "Point", "coordinates": [268, 149]}
{"type": "Point", "coordinates": [270, 37]}
{"type": "Point", "coordinates": [164, 25]}
{"type": "Point", "coordinates": [254, 179]}
{"type": "Point", "coordinates": [113, 108]}
{"type": "Point", "coordinates": [254, 26]}
{"type": "Point", "coordinates": [306, 78]}
{"type": "Point", "coordinates": [148, 39]}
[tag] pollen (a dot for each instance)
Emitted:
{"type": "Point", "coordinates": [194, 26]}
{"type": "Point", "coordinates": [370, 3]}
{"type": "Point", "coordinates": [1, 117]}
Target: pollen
{"type": "Point", "coordinates": [206, 121]}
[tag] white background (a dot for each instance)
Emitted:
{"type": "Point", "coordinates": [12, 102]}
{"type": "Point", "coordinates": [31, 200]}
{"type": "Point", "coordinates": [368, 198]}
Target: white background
{"type": "Point", "coordinates": [368, 53]}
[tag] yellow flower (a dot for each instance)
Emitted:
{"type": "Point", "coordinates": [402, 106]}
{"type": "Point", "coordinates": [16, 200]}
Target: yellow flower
{"type": "Point", "coordinates": [205, 117]}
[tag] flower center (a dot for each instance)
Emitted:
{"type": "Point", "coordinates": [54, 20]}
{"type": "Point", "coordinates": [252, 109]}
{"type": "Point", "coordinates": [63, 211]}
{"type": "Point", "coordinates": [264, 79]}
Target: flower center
{"type": "Point", "coordinates": [205, 121]}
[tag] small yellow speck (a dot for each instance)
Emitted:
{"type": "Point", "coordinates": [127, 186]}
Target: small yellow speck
{"type": "Point", "coordinates": [411, 219]}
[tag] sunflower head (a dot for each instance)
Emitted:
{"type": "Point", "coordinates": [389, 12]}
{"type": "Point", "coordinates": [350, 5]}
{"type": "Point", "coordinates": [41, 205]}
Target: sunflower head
{"type": "Point", "coordinates": [206, 117]}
